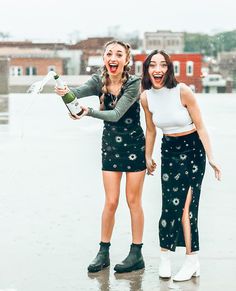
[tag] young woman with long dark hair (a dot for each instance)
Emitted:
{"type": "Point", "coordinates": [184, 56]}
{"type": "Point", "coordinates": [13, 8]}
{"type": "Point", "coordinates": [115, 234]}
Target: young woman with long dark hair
{"type": "Point", "coordinates": [172, 107]}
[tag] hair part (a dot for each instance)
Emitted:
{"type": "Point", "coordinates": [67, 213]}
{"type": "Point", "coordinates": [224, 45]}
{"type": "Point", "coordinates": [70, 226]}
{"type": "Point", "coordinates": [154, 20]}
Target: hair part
{"type": "Point", "coordinates": [170, 80]}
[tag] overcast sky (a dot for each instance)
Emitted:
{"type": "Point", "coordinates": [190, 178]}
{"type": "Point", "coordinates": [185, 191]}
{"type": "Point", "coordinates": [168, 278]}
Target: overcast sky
{"type": "Point", "coordinates": [52, 20]}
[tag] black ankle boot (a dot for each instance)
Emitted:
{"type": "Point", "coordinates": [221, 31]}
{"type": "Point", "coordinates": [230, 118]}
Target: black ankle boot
{"type": "Point", "coordinates": [102, 259]}
{"type": "Point", "coordinates": [134, 260]}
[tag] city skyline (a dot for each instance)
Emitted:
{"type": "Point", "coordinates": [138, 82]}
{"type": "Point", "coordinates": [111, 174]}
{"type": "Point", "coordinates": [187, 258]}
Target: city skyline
{"type": "Point", "coordinates": [70, 20]}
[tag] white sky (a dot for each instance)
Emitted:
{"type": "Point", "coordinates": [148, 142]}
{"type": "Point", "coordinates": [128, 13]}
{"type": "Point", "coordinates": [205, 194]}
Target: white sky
{"type": "Point", "coordinates": [52, 20]}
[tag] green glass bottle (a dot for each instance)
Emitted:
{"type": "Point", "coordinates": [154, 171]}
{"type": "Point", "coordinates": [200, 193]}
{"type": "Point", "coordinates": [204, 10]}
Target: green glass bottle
{"type": "Point", "coordinates": [69, 98]}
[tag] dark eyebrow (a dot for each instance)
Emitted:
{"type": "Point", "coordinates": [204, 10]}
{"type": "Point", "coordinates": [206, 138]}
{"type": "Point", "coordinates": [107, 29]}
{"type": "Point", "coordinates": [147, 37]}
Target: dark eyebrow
{"type": "Point", "coordinates": [117, 51]}
{"type": "Point", "coordinates": [160, 62]}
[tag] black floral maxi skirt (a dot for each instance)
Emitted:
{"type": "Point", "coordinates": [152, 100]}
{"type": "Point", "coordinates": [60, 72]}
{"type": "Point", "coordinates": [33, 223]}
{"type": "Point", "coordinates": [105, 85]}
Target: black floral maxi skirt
{"type": "Point", "coordinates": [183, 167]}
{"type": "Point", "coordinates": [123, 148]}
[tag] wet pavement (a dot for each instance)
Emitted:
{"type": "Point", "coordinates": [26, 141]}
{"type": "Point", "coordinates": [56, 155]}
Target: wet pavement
{"type": "Point", "coordinates": [52, 196]}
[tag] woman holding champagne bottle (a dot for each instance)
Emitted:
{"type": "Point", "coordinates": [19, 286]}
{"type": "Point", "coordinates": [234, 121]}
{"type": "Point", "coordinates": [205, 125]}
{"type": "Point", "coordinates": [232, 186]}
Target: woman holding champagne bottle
{"type": "Point", "coordinates": [123, 148]}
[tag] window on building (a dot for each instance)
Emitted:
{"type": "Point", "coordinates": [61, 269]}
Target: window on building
{"type": "Point", "coordinates": [30, 71]}
{"type": "Point", "coordinates": [176, 68]}
{"type": "Point", "coordinates": [207, 89]}
{"type": "Point", "coordinates": [214, 79]}
{"type": "Point", "coordinates": [138, 68]}
{"type": "Point", "coordinates": [51, 68]}
{"type": "Point", "coordinates": [16, 71]}
{"type": "Point", "coordinates": [189, 68]}
{"type": "Point", "coordinates": [221, 89]}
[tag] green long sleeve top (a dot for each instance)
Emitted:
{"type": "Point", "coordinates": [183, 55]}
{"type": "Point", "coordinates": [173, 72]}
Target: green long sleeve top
{"type": "Point", "coordinates": [130, 94]}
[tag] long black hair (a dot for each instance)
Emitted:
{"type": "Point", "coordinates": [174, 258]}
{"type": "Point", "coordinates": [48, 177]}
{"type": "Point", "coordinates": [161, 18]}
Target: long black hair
{"type": "Point", "coordinates": [170, 80]}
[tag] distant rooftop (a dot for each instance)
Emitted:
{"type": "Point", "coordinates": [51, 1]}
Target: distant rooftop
{"type": "Point", "coordinates": [91, 42]}
{"type": "Point", "coordinates": [27, 52]}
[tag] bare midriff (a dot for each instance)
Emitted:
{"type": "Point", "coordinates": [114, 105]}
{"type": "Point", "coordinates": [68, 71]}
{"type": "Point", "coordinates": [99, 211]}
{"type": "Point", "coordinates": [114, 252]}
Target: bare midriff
{"type": "Point", "coordinates": [181, 133]}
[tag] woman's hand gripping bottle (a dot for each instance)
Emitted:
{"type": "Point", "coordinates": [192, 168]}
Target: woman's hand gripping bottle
{"type": "Point", "coordinates": [69, 98]}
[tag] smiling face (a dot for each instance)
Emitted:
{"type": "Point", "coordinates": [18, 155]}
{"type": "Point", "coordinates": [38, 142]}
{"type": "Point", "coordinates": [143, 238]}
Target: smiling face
{"type": "Point", "coordinates": [115, 59]}
{"type": "Point", "coordinates": [157, 70]}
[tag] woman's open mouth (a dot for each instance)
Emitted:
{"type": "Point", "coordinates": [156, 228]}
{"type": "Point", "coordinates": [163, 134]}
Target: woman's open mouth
{"type": "Point", "coordinates": [158, 78]}
{"type": "Point", "coordinates": [113, 68]}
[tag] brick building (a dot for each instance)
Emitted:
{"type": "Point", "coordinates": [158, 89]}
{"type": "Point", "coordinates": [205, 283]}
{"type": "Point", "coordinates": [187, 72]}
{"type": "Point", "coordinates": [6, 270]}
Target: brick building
{"type": "Point", "coordinates": [81, 58]}
{"type": "Point", "coordinates": [92, 51]}
{"type": "Point", "coordinates": [187, 68]}
{"type": "Point", "coordinates": [65, 58]}
{"type": "Point", "coordinates": [32, 61]}
{"type": "Point", "coordinates": [227, 66]}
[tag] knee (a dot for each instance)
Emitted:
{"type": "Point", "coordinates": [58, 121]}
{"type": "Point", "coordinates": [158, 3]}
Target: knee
{"type": "Point", "coordinates": [111, 205]}
{"type": "Point", "coordinates": [134, 203]}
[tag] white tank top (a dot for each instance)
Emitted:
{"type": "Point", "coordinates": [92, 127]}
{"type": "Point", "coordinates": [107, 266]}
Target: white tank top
{"type": "Point", "coordinates": [168, 113]}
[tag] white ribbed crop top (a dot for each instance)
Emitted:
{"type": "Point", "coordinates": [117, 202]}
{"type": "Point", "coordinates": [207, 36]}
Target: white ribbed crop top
{"type": "Point", "coordinates": [168, 113]}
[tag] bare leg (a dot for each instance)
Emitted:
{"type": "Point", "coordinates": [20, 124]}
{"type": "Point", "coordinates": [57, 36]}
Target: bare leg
{"type": "Point", "coordinates": [134, 187]}
{"type": "Point", "coordinates": [134, 260]}
{"type": "Point", "coordinates": [111, 181]}
{"type": "Point", "coordinates": [186, 223]}
{"type": "Point", "coordinates": [191, 266]}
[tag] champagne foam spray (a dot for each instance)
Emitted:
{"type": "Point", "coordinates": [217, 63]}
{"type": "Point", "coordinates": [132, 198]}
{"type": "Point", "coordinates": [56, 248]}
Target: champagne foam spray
{"type": "Point", "coordinates": [37, 87]}
{"type": "Point", "coordinates": [34, 89]}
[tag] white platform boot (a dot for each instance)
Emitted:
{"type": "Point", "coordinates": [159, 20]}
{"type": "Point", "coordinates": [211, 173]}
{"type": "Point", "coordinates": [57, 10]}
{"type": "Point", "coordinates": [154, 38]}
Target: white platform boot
{"type": "Point", "coordinates": [190, 268]}
{"type": "Point", "coordinates": [165, 267]}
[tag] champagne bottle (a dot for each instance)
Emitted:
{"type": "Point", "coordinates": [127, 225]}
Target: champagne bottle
{"type": "Point", "coordinates": [69, 98]}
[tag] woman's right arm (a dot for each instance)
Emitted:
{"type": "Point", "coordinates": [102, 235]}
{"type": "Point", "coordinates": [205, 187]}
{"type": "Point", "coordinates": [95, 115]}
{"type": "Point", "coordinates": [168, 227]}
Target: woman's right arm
{"type": "Point", "coordinates": [189, 100]}
{"type": "Point", "coordinates": [150, 135]}
{"type": "Point", "coordinates": [89, 88]}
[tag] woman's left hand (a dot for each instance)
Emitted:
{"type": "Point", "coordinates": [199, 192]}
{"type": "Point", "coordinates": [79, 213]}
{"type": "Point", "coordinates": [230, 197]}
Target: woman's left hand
{"type": "Point", "coordinates": [216, 168]}
{"type": "Point", "coordinates": [151, 166]}
{"type": "Point", "coordinates": [85, 112]}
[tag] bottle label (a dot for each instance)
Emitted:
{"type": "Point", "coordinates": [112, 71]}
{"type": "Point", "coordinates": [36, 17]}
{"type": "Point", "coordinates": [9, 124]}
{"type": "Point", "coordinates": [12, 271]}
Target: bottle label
{"type": "Point", "coordinates": [74, 107]}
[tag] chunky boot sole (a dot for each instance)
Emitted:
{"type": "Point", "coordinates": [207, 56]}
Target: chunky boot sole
{"type": "Point", "coordinates": [165, 277]}
{"type": "Point", "coordinates": [95, 269]}
{"type": "Point", "coordinates": [135, 267]}
{"type": "Point", "coordinates": [187, 278]}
